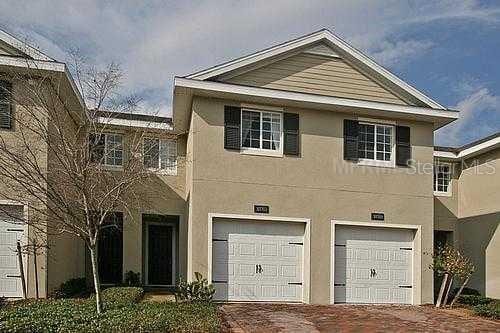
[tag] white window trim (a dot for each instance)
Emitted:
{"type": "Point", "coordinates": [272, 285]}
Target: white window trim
{"type": "Point", "coordinates": [113, 167]}
{"type": "Point", "coordinates": [448, 192]}
{"type": "Point", "coordinates": [383, 164]}
{"type": "Point", "coordinates": [261, 151]}
{"type": "Point", "coordinates": [169, 172]}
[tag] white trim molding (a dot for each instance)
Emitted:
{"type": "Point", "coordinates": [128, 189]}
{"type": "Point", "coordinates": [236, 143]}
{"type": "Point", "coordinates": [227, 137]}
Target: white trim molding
{"type": "Point", "coordinates": [469, 151]}
{"type": "Point", "coordinates": [23, 47]}
{"type": "Point", "coordinates": [339, 47]}
{"type": "Point", "coordinates": [134, 123]}
{"type": "Point", "coordinates": [307, 244]}
{"type": "Point", "coordinates": [231, 91]}
{"type": "Point", "coordinates": [417, 253]}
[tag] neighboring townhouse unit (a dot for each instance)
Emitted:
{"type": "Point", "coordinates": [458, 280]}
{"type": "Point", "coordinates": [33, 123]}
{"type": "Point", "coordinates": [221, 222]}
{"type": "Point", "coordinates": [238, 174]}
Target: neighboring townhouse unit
{"type": "Point", "coordinates": [467, 207]}
{"type": "Point", "coordinates": [291, 175]}
{"type": "Point", "coordinates": [20, 62]}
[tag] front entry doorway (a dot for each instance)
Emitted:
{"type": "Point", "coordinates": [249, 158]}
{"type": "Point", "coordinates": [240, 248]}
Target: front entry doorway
{"type": "Point", "coordinates": [160, 249]}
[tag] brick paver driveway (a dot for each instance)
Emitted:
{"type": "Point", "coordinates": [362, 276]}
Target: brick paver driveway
{"type": "Point", "coordinates": [274, 318]}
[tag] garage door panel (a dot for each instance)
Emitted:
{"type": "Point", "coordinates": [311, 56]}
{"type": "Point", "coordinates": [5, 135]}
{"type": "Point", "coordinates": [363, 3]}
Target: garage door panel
{"type": "Point", "coordinates": [10, 233]}
{"type": "Point", "coordinates": [264, 263]}
{"type": "Point", "coordinates": [372, 265]}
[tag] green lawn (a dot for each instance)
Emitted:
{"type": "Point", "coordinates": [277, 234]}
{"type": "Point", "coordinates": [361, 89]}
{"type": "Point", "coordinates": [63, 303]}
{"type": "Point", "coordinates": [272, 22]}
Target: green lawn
{"type": "Point", "coordinates": [123, 313]}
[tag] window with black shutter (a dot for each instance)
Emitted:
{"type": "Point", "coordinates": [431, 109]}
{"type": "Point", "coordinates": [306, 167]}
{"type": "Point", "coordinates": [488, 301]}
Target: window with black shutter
{"type": "Point", "coordinates": [96, 147]}
{"type": "Point", "coordinates": [5, 104]}
{"type": "Point", "coordinates": [351, 133]}
{"type": "Point", "coordinates": [291, 134]}
{"type": "Point", "coordinates": [403, 146]}
{"type": "Point", "coordinates": [232, 127]}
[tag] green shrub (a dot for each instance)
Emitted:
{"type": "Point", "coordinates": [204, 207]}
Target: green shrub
{"type": "Point", "coordinates": [474, 300]}
{"type": "Point", "coordinates": [79, 315]}
{"type": "Point", "coordinates": [132, 279]}
{"type": "Point", "coordinates": [467, 291]}
{"type": "Point", "coordinates": [71, 288]}
{"type": "Point", "coordinates": [198, 290]}
{"type": "Point", "coordinates": [117, 297]}
{"type": "Point", "coordinates": [490, 310]}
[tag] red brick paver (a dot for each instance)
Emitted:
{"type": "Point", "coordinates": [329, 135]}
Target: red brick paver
{"type": "Point", "coordinates": [242, 318]}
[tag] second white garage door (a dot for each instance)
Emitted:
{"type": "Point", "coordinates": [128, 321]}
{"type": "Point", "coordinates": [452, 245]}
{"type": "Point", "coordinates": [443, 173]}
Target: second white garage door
{"type": "Point", "coordinates": [373, 265]}
{"type": "Point", "coordinates": [257, 261]}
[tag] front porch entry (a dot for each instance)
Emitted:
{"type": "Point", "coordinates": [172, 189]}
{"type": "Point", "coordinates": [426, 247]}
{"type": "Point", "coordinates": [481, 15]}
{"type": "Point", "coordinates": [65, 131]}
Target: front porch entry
{"type": "Point", "coordinates": [160, 248]}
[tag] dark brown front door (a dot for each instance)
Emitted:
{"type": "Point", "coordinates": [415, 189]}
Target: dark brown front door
{"type": "Point", "coordinates": [160, 256]}
{"type": "Point", "coordinates": [110, 250]}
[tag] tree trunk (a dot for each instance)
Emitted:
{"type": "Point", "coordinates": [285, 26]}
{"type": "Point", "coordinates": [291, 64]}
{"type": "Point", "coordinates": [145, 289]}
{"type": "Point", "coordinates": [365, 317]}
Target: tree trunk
{"type": "Point", "coordinates": [450, 284]}
{"type": "Point", "coordinates": [441, 291]}
{"type": "Point", "coordinates": [460, 291]}
{"type": "Point", "coordinates": [95, 273]}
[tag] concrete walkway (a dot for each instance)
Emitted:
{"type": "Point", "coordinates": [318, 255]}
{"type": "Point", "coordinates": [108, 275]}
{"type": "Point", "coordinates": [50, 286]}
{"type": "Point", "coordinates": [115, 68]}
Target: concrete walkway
{"type": "Point", "coordinates": [274, 318]}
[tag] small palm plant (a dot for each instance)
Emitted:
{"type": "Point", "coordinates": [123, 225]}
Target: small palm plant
{"type": "Point", "coordinates": [198, 290]}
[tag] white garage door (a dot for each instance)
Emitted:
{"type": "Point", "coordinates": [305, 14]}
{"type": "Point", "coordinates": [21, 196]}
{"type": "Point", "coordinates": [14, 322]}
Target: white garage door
{"type": "Point", "coordinates": [10, 233]}
{"type": "Point", "coordinates": [257, 261]}
{"type": "Point", "coordinates": [373, 265]}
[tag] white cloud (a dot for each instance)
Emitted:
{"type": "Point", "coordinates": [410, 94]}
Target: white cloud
{"type": "Point", "coordinates": [395, 53]}
{"type": "Point", "coordinates": [159, 39]}
{"type": "Point", "coordinates": [476, 109]}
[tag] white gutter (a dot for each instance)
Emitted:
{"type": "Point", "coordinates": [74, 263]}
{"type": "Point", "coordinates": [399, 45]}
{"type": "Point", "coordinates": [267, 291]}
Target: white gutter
{"type": "Point", "coordinates": [32, 64]}
{"type": "Point", "coordinates": [134, 123]}
{"type": "Point", "coordinates": [311, 98]}
{"type": "Point", "coordinates": [471, 151]}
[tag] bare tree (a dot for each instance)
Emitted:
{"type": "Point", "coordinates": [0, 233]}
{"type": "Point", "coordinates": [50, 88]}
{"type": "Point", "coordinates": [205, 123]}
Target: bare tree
{"type": "Point", "coordinates": [55, 158]}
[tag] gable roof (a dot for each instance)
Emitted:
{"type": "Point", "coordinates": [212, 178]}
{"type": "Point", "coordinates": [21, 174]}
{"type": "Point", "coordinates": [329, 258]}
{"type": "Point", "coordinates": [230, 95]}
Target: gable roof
{"type": "Point", "coordinates": [469, 150]}
{"type": "Point", "coordinates": [23, 47]}
{"type": "Point", "coordinates": [33, 59]}
{"type": "Point", "coordinates": [339, 48]}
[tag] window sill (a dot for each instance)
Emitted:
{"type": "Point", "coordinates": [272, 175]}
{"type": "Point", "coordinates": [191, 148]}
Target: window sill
{"type": "Point", "coordinates": [261, 152]}
{"type": "Point", "coordinates": [442, 194]}
{"type": "Point", "coordinates": [163, 172]}
{"type": "Point", "coordinates": [375, 163]}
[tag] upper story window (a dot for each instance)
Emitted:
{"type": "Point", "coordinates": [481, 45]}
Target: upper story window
{"type": "Point", "coordinates": [442, 177]}
{"type": "Point", "coordinates": [375, 145]}
{"type": "Point", "coordinates": [107, 148]}
{"type": "Point", "coordinates": [261, 130]}
{"type": "Point", "coordinates": [161, 155]}
{"type": "Point", "coordinates": [5, 104]}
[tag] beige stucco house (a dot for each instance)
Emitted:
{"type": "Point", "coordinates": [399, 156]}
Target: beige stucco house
{"type": "Point", "coordinates": [300, 173]}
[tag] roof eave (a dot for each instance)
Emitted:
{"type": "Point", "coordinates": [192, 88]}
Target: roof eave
{"type": "Point", "coordinates": [189, 87]}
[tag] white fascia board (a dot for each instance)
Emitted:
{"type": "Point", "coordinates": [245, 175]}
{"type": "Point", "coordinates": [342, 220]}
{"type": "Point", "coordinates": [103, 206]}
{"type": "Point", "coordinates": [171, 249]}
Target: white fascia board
{"type": "Point", "coordinates": [44, 66]}
{"type": "Point", "coordinates": [75, 88]}
{"type": "Point", "coordinates": [445, 154]}
{"type": "Point", "coordinates": [381, 70]}
{"type": "Point", "coordinates": [23, 47]}
{"type": "Point", "coordinates": [480, 148]}
{"type": "Point", "coordinates": [324, 35]}
{"type": "Point", "coordinates": [471, 151]}
{"type": "Point", "coordinates": [134, 123]}
{"type": "Point", "coordinates": [219, 87]}
{"type": "Point", "coordinates": [32, 64]}
{"type": "Point", "coordinates": [255, 57]}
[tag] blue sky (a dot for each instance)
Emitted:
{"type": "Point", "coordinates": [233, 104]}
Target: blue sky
{"type": "Point", "coordinates": [447, 49]}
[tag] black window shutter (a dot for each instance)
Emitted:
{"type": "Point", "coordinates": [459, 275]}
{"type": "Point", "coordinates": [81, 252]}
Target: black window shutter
{"type": "Point", "coordinates": [5, 104]}
{"type": "Point", "coordinates": [96, 147]}
{"type": "Point", "coordinates": [232, 127]}
{"type": "Point", "coordinates": [291, 134]}
{"type": "Point", "coordinates": [403, 146]}
{"type": "Point", "coordinates": [351, 130]}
